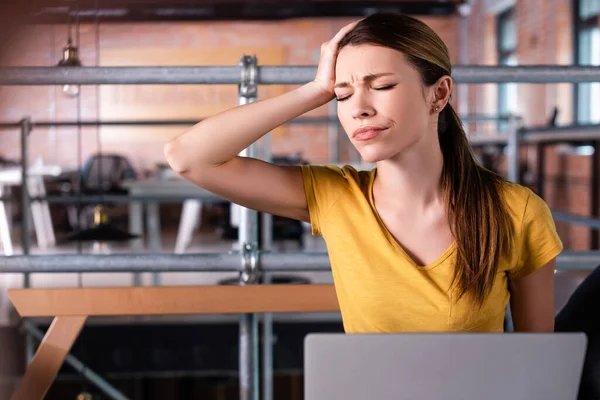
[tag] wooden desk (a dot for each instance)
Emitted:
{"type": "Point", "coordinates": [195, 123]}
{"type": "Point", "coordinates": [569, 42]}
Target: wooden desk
{"type": "Point", "coordinates": [156, 187]}
{"type": "Point", "coordinates": [71, 307]}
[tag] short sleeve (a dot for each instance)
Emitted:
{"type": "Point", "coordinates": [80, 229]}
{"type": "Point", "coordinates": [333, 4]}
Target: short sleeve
{"type": "Point", "coordinates": [323, 185]}
{"type": "Point", "coordinates": [540, 241]}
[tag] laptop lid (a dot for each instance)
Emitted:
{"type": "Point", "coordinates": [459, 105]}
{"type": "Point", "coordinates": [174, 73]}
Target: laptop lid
{"type": "Point", "coordinates": [443, 366]}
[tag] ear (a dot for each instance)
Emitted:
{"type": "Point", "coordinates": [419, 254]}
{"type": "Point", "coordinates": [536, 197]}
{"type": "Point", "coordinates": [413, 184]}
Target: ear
{"type": "Point", "coordinates": [442, 90]}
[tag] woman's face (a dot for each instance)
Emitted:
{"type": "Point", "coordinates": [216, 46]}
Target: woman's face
{"type": "Point", "coordinates": [382, 103]}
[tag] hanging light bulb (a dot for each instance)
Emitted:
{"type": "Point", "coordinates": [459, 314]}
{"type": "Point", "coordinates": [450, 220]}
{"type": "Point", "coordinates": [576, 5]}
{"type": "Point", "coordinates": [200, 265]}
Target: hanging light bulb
{"type": "Point", "coordinates": [71, 90]}
{"type": "Point", "coordinates": [100, 219]}
{"type": "Point", "coordinates": [70, 59]}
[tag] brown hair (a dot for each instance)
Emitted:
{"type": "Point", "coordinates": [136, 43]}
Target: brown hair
{"type": "Point", "coordinates": [478, 218]}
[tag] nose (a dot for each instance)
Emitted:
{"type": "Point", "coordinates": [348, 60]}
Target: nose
{"type": "Point", "coordinates": [362, 107]}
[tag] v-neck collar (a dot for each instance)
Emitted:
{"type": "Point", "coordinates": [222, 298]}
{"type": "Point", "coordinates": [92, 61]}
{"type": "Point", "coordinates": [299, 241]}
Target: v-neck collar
{"type": "Point", "coordinates": [394, 243]}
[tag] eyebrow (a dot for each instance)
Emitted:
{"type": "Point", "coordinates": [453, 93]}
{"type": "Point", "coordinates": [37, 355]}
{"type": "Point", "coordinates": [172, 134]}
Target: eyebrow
{"type": "Point", "coordinates": [366, 78]}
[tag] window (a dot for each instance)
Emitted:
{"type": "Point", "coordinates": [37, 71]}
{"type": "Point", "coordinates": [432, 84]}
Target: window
{"type": "Point", "coordinates": [588, 9]}
{"type": "Point", "coordinates": [587, 52]}
{"type": "Point", "coordinates": [507, 47]}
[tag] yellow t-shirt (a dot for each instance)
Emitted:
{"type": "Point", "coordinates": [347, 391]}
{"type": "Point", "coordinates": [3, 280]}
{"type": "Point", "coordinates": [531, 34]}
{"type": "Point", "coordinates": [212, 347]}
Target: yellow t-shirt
{"type": "Point", "coordinates": [380, 288]}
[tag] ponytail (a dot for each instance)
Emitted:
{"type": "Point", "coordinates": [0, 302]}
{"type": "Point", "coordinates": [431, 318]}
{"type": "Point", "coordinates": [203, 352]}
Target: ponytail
{"type": "Point", "coordinates": [478, 218]}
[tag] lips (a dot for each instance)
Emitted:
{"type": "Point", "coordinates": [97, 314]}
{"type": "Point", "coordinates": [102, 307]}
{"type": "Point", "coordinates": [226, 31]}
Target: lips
{"type": "Point", "coordinates": [367, 132]}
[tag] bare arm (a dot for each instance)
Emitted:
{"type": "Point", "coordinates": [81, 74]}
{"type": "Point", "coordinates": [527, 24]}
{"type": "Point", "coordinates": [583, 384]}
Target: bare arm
{"type": "Point", "coordinates": [220, 138]}
{"type": "Point", "coordinates": [207, 154]}
{"type": "Point", "coordinates": [532, 301]}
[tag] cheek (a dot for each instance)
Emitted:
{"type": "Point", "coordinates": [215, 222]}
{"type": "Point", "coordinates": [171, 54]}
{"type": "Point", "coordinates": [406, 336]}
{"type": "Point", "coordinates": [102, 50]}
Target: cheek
{"type": "Point", "coordinates": [405, 106]}
{"type": "Point", "coordinates": [398, 106]}
{"type": "Point", "coordinates": [344, 114]}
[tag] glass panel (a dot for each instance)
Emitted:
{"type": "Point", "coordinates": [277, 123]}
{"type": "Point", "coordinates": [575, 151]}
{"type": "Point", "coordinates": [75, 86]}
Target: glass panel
{"type": "Point", "coordinates": [585, 46]}
{"type": "Point", "coordinates": [507, 30]}
{"type": "Point", "coordinates": [511, 88]}
{"type": "Point", "coordinates": [507, 44]}
{"type": "Point", "coordinates": [507, 95]}
{"type": "Point", "coordinates": [589, 93]}
{"type": "Point", "coordinates": [583, 101]}
{"type": "Point", "coordinates": [595, 47]}
{"type": "Point", "coordinates": [595, 87]}
{"type": "Point", "coordinates": [588, 8]}
{"type": "Point", "coordinates": [595, 103]}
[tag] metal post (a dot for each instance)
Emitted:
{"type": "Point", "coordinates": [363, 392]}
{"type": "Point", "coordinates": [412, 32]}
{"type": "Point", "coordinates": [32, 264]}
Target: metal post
{"type": "Point", "coordinates": [267, 322]}
{"type": "Point", "coordinates": [267, 231]}
{"type": "Point", "coordinates": [267, 343]}
{"type": "Point", "coordinates": [25, 210]}
{"type": "Point", "coordinates": [25, 236]}
{"type": "Point", "coordinates": [248, 241]}
{"type": "Point", "coordinates": [29, 348]}
{"type": "Point", "coordinates": [248, 340]}
{"type": "Point", "coordinates": [513, 150]}
{"type": "Point", "coordinates": [266, 218]}
{"type": "Point", "coordinates": [333, 133]}
{"type": "Point", "coordinates": [464, 10]}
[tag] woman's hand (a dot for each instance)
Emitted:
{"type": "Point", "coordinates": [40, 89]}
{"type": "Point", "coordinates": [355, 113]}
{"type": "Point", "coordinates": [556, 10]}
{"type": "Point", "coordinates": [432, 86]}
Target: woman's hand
{"type": "Point", "coordinates": [325, 78]}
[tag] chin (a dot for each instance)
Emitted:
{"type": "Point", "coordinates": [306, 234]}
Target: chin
{"type": "Point", "coordinates": [374, 154]}
{"type": "Point", "coordinates": [372, 157]}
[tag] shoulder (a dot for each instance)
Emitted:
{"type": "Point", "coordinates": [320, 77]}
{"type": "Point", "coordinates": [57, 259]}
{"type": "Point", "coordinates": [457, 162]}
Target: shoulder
{"type": "Point", "coordinates": [325, 185]}
{"type": "Point", "coordinates": [537, 240]}
{"type": "Point", "coordinates": [522, 202]}
{"type": "Point", "coordinates": [340, 177]}
{"type": "Point", "coordinates": [515, 192]}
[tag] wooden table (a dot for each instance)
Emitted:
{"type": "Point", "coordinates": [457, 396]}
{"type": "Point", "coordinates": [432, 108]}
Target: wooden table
{"type": "Point", "coordinates": [157, 187]}
{"type": "Point", "coordinates": [71, 308]}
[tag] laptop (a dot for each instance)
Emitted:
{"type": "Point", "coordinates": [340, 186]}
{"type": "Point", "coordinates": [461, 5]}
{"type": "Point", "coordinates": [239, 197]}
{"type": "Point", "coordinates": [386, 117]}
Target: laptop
{"type": "Point", "coordinates": [443, 366]}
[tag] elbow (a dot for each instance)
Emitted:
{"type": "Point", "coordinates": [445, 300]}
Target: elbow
{"type": "Point", "coordinates": [174, 158]}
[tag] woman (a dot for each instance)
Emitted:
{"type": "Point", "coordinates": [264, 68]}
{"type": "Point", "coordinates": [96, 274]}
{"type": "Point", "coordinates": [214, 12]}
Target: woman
{"type": "Point", "coordinates": [428, 240]}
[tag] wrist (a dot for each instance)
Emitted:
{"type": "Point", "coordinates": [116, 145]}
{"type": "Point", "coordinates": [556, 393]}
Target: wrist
{"type": "Point", "coordinates": [319, 92]}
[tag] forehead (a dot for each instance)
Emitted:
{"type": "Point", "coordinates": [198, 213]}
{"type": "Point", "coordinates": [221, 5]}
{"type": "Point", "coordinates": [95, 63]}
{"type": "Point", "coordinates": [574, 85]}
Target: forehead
{"type": "Point", "coordinates": [356, 61]}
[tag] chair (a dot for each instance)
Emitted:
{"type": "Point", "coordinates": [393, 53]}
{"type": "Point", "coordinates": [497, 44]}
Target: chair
{"type": "Point", "coordinates": [581, 313]}
{"type": "Point", "coordinates": [102, 174]}
{"type": "Point", "coordinates": [565, 284]}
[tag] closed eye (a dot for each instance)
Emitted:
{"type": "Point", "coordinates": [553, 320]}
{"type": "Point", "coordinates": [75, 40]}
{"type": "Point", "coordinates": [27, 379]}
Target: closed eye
{"type": "Point", "coordinates": [388, 87]}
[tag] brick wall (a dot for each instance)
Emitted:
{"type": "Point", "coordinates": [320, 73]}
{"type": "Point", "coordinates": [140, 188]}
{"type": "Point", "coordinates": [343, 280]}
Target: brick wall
{"type": "Point", "coordinates": [544, 38]}
{"type": "Point", "coordinates": [204, 43]}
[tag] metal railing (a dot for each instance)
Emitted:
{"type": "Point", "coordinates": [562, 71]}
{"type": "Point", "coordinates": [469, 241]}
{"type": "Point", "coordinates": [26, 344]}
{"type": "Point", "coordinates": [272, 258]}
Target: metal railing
{"type": "Point", "coordinates": [214, 262]}
{"type": "Point", "coordinates": [272, 75]}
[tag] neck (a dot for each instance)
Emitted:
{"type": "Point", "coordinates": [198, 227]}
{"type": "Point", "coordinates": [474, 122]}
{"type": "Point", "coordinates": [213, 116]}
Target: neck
{"type": "Point", "coordinates": [412, 178]}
